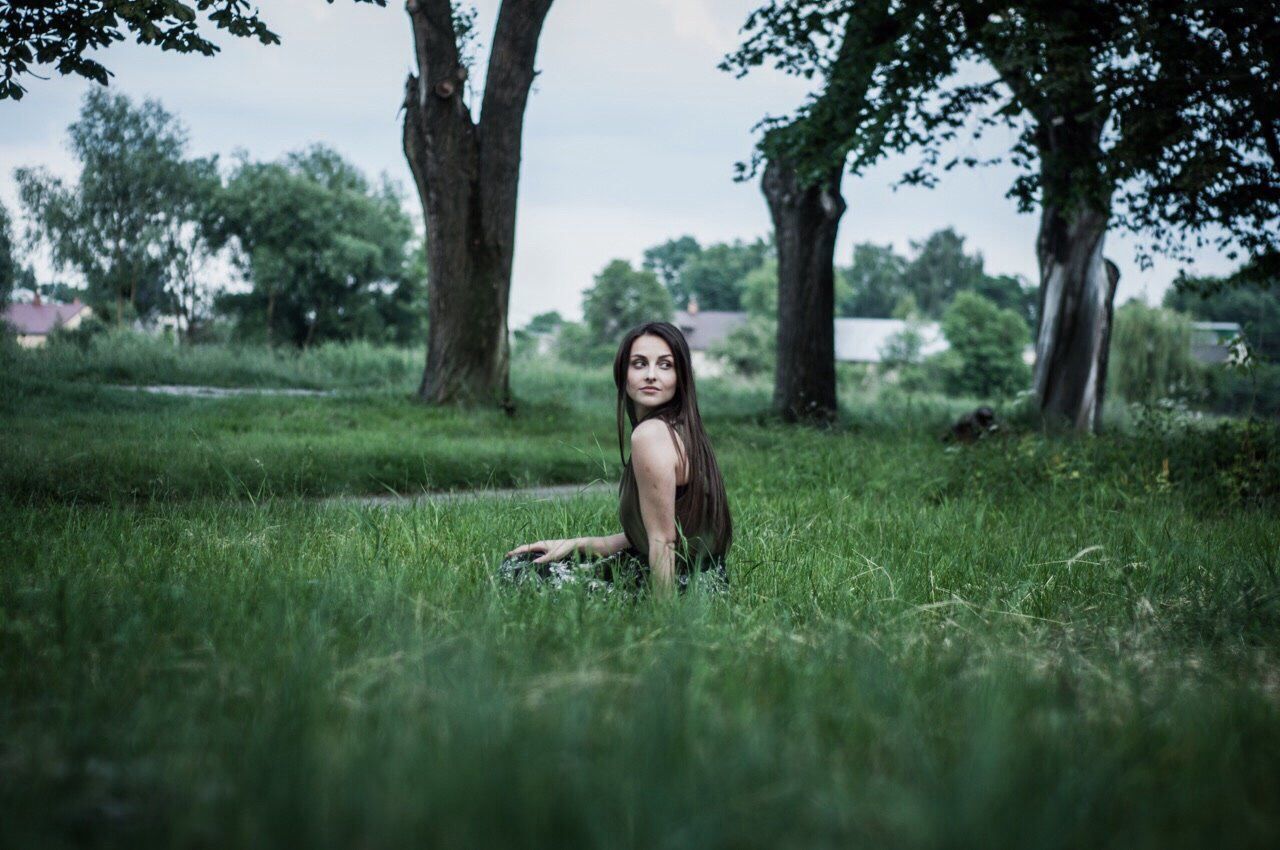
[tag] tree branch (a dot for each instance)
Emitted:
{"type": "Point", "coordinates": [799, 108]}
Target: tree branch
{"type": "Point", "coordinates": [435, 45]}
{"type": "Point", "coordinates": [506, 94]}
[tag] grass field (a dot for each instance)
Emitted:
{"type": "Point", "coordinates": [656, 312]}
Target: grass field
{"type": "Point", "coordinates": [1031, 642]}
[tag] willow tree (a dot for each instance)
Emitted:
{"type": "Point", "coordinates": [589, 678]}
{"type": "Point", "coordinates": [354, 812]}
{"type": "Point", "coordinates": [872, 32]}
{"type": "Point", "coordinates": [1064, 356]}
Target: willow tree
{"type": "Point", "coordinates": [1157, 116]}
{"type": "Point", "coordinates": [467, 172]}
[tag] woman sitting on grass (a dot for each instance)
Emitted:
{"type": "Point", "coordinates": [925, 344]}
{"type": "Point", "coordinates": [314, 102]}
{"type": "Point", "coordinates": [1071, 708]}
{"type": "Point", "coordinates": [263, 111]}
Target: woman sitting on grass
{"type": "Point", "coordinates": [671, 501]}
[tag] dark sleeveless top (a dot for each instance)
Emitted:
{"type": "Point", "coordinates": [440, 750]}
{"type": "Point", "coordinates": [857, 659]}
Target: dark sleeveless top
{"type": "Point", "coordinates": [701, 541]}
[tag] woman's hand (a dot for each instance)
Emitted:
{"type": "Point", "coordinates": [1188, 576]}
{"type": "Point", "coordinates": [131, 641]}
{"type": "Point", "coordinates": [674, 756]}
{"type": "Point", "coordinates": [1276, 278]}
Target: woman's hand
{"type": "Point", "coordinates": [552, 550]}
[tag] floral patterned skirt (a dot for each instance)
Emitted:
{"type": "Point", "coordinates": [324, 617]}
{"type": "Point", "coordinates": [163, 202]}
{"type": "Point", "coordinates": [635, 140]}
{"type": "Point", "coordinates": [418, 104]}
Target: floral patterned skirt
{"type": "Point", "coordinates": [627, 570]}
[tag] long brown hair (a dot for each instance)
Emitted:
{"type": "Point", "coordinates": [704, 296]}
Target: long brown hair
{"type": "Point", "coordinates": [704, 504]}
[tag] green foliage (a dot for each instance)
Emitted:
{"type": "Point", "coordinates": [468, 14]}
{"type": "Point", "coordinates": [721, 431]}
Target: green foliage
{"type": "Point", "coordinates": [544, 323]}
{"type": "Point", "coordinates": [900, 88]}
{"type": "Point", "coordinates": [715, 275]}
{"type": "Point", "coordinates": [576, 344]}
{"type": "Point", "coordinates": [620, 299]}
{"type": "Point", "coordinates": [10, 268]}
{"type": "Point", "coordinates": [60, 34]}
{"type": "Point", "coordinates": [917, 641]}
{"type": "Point", "coordinates": [107, 354]}
{"type": "Point", "coordinates": [751, 349]}
{"type": "Point", "coordinates": [326, 252]}
{"type": "Point", "coordinates": [1256, 308]}
{"type": "Point", "coordinates": [986, 343]}
{"type": "Point", "coordinates": [668, 260]}
{"type": "Point", "coordinates": [133, 224]}
{"type": "Point", "coordinates": [874, 284]}
{"type": "Point", "coordinates": [1151, 355]}
{"type": "Point", "coordinates": [883, 284]}
{"type": "Point", "coordinates": [1253, 391]}
{"type": "Point", "coordinates": [760, 290]}
{"type": "Point", "coordinates": [525, 339]}
{"type": "Point", "coordinates": [902, 361]}
{"type": "Point", "coordinates": [940, 270]}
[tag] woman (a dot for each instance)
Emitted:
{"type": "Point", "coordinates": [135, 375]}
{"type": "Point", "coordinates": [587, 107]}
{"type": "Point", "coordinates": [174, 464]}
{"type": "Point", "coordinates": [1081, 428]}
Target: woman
{"type": "Point", "coordinates": [671, 501]}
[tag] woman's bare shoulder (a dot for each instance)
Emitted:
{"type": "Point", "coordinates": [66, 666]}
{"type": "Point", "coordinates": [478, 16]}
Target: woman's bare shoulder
{"type": "Point", "coordinates": [651, 441]}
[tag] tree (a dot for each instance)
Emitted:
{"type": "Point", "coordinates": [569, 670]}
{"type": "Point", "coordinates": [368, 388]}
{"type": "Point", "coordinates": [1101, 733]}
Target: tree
{"type": "Point", "coordinates": [986, 344]}
{"type": "Point", "coordinates": [61, 33]}
{"type": "Point", "coordinates": [668, 260]}
{"type": "Point", "coordinates": [325, 251]}
{"type": "Point", "coordinates": [1162, 118]}
{"type": "Point", "coordinates": [1151, 354]}
{"type": "Point", "coordinates": [118, 225]}
{"type": "Point", "coordinates": [874, 283]}
{"type": "Point", "coordinates": [1010, 292]}
{"type": "Point", "coordinates": [714, 275]}
{"type": "Point", "coordinates": [750, 348]}
{"type": "Point", "coordinates": [10, 269]}
{"type": "Point", "coordinates": [620, 299]}
{"type": "Point", "coordinates": [804, 158]}
{"type": "Point", "coordinates": [544, 323]}
{"type": "Point", "coordinates": [467, 172]}
{"type": "Point", "coordinates": [940, 270]}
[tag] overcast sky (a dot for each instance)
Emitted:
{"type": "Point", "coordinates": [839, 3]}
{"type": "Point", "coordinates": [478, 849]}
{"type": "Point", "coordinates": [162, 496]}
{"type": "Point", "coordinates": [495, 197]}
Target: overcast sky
{"type": "Point", "coordinates": [630, 136]}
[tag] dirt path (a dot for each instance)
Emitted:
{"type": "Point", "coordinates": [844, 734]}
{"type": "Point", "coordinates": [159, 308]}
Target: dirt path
{"type": "Point", "coordinates": [537, 494]}
{"type": "Point", "coordinates": [219, 392]}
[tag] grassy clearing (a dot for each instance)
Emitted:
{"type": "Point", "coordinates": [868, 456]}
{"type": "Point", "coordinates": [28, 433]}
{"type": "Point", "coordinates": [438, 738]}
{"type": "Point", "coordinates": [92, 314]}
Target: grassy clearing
{"type": "Point", "coordinates": [125, 357]}
{"type": "Point", "coordinates": [1028, 643]}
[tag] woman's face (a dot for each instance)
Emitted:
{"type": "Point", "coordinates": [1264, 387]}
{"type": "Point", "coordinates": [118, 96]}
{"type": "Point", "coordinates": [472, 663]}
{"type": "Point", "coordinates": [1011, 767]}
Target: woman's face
{"type": "Point", "coordinates": [651, 374]}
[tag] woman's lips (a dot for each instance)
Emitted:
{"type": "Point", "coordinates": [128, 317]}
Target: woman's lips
{"type": "Point", "coordinates": [649, 390]}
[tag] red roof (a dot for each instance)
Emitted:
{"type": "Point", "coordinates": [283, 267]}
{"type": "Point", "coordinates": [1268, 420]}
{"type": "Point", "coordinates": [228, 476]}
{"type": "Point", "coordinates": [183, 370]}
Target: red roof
{"type": "Point", "coordinates": [40, 319]}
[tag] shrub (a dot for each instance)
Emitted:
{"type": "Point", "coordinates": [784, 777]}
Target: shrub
{"type": "Point", "coordinates": [749, 349]}
{"type": "Point", "coordinates": [986, 348]}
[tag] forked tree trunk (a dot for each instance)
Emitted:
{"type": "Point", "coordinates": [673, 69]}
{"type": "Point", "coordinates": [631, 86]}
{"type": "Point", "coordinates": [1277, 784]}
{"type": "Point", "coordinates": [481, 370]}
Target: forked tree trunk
{"type": "Point", "coordinates": [1077, 288]}
{"type": "Point", "coordinates": [467, 176]}
{"type": "Point", "coordinates": [805, 221]}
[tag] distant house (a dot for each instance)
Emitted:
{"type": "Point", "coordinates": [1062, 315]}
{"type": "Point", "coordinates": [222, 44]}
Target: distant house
{"type": "Point", "coordinates": [1211, 341]}
{"type": "Point", "coordinates": [864, 340]}
{"type": "Point", "coordinates": [857, 340]}
{"type": "Point", "coordinates": [32, 323]}
{"type": "Point", "coordinates": [703, 329]}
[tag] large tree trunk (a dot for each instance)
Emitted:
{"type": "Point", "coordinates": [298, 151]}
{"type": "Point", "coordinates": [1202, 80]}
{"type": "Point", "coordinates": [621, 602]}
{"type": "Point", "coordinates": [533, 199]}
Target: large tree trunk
{"type": "Point", "coordinates": [467, 176]}
{"type": "Point", "coordinates": [805, 220]}
{"type": "Point", "coordinates": [1077, 287]}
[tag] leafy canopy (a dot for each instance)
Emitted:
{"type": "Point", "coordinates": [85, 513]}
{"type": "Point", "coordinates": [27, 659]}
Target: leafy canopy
{"type": "Point", "coordinates": [61, 33]}
{"type": "Point", "coordinates": [326, 252]}
{"type": "Point", "coordinates": [121, 225]}
{"type": "Point", "coordinates": [1164, 112]}
{"type": "Point", "coordinates": [986, 346]}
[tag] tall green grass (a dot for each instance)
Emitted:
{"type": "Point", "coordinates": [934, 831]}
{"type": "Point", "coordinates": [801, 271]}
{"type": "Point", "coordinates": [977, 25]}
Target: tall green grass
{"type": "Point", "coordinates": [119, 356]}
{"type": "Point", "coordinates": [1031, 642]}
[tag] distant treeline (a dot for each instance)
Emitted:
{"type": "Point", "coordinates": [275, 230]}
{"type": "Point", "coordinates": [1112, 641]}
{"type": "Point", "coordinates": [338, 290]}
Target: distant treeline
{"type": "Point", "coordinates": [312, 249]}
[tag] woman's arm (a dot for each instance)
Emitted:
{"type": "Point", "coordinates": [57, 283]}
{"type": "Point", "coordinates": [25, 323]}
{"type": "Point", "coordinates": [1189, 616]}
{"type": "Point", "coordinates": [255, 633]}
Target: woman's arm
{"type": "Point", "coordinates": [554, 550]}
{"type": "Point", "coordinates": [655, 460]}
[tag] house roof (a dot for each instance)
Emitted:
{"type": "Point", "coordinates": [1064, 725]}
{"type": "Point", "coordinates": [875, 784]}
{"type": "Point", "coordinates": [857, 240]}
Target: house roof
{"type": "Point", "coordinates": [862, 340]}
{"type": "Point", "coordinates": [40, 319]}
{"type": "Point", "coordinates": [705, 328]}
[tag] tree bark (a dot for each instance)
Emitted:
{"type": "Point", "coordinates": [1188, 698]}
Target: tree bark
{"type": "Point", "coordinates": [467, 175]}
{"type": "Point", "coordinates": [805, 221]}
{"type": "Point", "coordinates": [1077, 288]}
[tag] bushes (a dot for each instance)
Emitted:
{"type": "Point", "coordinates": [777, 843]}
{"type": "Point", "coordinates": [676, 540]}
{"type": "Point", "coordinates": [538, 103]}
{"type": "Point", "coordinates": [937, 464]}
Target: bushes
{"type": "Point", "coordinates": [985, 359]}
